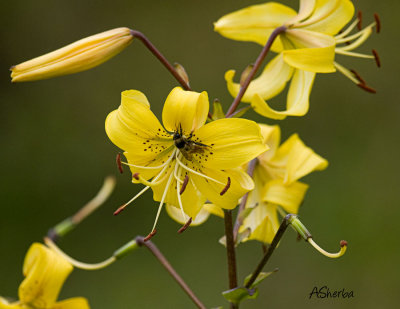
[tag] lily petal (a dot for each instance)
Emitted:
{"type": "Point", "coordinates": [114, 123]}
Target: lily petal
{"type": "Point", "coordinates": [297, 99]}
{"type": "Point", "coordinates": [176, 214]}
{"type": "Point", "coordinates": [329, 16]}
{"type": "Point", "coordinates": [239, 184]}
{"type": "Point", "coordinates": [4, 304]}
{"type": "Point", "coordinates": [288, 196]}
{"type": "Point", "coordinates": [186, 109]}
{"type": "Point", "coordinates": [314, 52]}
{"type": "Point", "coordinates": [72, 303]}
{"type": "Point", "coordinates": [272, 138]}
{"type": "Point", "coordinates": [270, 83]}
{"type": "Point", "coordinates": [305, 10]}
{"type": "Point", "coordinates": [45, 273]}
{"type": "Point", "coordinates": [255, 23]}
{"type": "Point", "coordinates": [134, 128]}
{"type": "Point", "coordinates": [232, 142]}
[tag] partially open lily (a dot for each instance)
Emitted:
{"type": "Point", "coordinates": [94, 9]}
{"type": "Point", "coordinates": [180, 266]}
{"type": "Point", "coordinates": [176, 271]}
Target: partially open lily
{"type": "Point", "coordinates": [277, 189]}
{"type": "Point", "coordinates": [185, 162]}
{"type": "Point", "coordinates": [45, 273]}
{"type": "Point", "coordinates": [308, 46]}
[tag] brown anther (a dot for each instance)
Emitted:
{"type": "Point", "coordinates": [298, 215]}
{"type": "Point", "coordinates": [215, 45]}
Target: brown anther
{"type": "Point", "coordinates": [186, 225]}
{"type": "Point", "coordinates": [119, 210]}
{"type": "Point", "coordinates": [366, 88]}
{"type": "Point", "coordinates": [378, 22]}
{"type": "Point", "coordinates": [358, 76]}
{"type": "Point", "coordinates": [152, 233]}
{"type": "Point", "coordinates": [184, 184]}
{"type": "Point", "coordinates": [377, 59]}
{"type": "Point", "coordinates": [226, 187]}
{"type": "Point", "coordinates": [119, 164]}
{"type": "Point", "coordinates": [136, 176]}
{"type": "Point", "coordinates": [359, 16]}
{"type": "Point", "coordinates": [343, 243]}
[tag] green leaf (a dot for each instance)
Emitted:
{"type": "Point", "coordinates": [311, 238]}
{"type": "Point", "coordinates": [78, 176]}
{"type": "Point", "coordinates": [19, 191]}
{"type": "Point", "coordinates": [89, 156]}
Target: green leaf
{"type": "Point", "coordinates": [261, 276]}
{"type": "Point", "coordinates": [239, 294]}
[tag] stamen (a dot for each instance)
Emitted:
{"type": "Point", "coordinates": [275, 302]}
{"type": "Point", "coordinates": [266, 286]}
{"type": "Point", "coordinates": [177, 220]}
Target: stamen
{"type": "Point", "coordinates": [355, 35]}
{"type": "Point", "coordinates": [178, 194]}
{"type": "Point", "coordinates": [377, 59]}
{"type": "Point", "coordinates": [358, 76]}
{"type": "Point", "coordinates": [343, 248]}
{"type": "Point", "coordinates": [348, 30]}
{"type": "Point", "coordinates": [196, 173]}
{"type": "Point", "coordinates": [184, 184]}
{"type": "Point", "coordinates": [346, 73]}
{"type": "Point", "coordinates": [359, 17]}
{"type": "Point", "coordinates": [362, 37]}
{"type": "Point", "coordinates": [151, 234]}
{"type": "Point", "coordinates": [76, 263]}
{"type": "Point", "coordinates": [183, 228]}
{"type": "Point", "coordinates": [366, 88]}
{"type": "Point", "coordinates": [121, 208]}
{"type": "Point", "coordinates": [378, 23]}
{"type": "Point", "coordinates": [341, 51]}
{"type": "Point", "coordinates": [226, 187]}
{"type": "Point", "coordinates": [119, 164]}
{"type": "Point", "coordinates": [136, 176]}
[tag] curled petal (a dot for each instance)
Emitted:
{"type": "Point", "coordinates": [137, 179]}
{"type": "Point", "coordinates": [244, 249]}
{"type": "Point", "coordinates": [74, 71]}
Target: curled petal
{"type": "Point", "coordinates": [305, 10]}
{"type": "Point", "coordinates": [329, 16]}
{"type": "Point", "coordinates": [232, 142]}
{"type": "Point", "coordinates": [255, 23]}
{"type": "Point", "coordinates": [288, 196]}
{"type": "Point", "coordinates": [270, 83]}
{"type": "Point", "coordinates": [297, 99]}
{"type": "Point", "coordinates": [185, 109]}
{"type": "Point", "coordinates": [4, 304]}
{"type": "Point", "coordinates": [72, 303]}
{"type": "Point", "coordinates": [45, 273]}
{"type": "Point", "coordinates": [314, 52]}
{"type": "Point", "coordinates": [176, 214]}
{"type": "Point", "coordinates": [272, 138]}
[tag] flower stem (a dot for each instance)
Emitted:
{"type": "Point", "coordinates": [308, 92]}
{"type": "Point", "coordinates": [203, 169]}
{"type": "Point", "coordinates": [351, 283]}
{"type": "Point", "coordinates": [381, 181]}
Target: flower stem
{"type": "Point", "coordinates": [253, 72]}
{"type": "Point", "coordinates": [230, 251]}
{"type": "Point", "coordinates": [161, 258]}
{"type": "Point", "coordinates": [139, 35]}
{"type": "Point", "coordinates": [285, 223]}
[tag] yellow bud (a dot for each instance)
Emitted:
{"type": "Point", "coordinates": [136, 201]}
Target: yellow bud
{"type": "Point", "coordinates": [76, 57]}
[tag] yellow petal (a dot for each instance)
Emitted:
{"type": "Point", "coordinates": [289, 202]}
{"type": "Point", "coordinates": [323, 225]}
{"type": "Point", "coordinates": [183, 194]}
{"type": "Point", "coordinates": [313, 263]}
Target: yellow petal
{"type": "Point", "coordinates": [288, 196]}
{"type": "Point", "coordinates": [240, 183]}
{"type": "Point", "coordinates": [300, 159]}
{"type": "Point", "coordinates": [72, 303]}
{"type": "Point", "coordinates": [134, 128]}
{"type": "Point", "coordinates": [314, 52]}
{"type": "Point", "coordinates": [232, 142]}
{"type": "Point", "coordinates": [255, 23]}
{"type": "Point", "coordinates": [305, 10]}
{"type": "Point", "coordinates": [214, 210]}
{"type": "Point", "coordinates": [45, 273]}
{"type": "Point", "coordinates": [270, 83]}
{"type": "Point", "coordinates": [185, 109]}
{"type": "Point", "coordinates": [329, 16]}
{"type": "Point", "coordinates": [76, 57]}
{"type": "Point", "coordinates": [272, 138]}
{"type": "Point", "coordinates": [176, 214]}
{"type": "Point", "coordinates": [4, 304]}
{"type": "Point", "coordinates": [297, 99]}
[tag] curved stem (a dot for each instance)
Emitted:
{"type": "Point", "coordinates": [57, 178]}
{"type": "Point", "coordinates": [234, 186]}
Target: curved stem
{"type": "Point", "coordinates": [161, 258]}
{"type": "Point", "coordinates": [253, 72]}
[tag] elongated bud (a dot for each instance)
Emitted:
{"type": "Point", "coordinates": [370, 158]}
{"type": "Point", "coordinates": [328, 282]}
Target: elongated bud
{"type": "Point", "coordinates": [76, 57]}
{"type": "Point", "coordinates": [182, 72]}
{"type": "Point", "coordinates": [246, 73]}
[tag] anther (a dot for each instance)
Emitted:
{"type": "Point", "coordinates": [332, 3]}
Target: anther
{"type": "Point", "coordinates": [343, 243]}
{"type": "Point", "coordinates": [184, 184]}
{"type": "Point", "coordinates": [358, 76]}
{"type": "Point", "coordinates": [359, 16]}
{"type": "Point", "coordinates": [377, 59]}
{"type": "Point", "coordinates": [226, 187]}
{"type": "Point", "coordinates": [185, 226]}
{"type": "Point", "coordinates": [119, 210]}
{"type": "Point", "coordinates": [366, 88]}
{"type": "Point", "coordinates": [119, 164]}
{"type": "Point", "coordinates": [152, 233]}
{"type": "Point", "coordinates": [378, 23]}
{"type": "Point", "coordinates": [136, 176]}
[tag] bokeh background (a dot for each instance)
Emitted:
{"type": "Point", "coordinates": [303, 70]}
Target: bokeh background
{"type": "Point", "coordinates": [55, 154]}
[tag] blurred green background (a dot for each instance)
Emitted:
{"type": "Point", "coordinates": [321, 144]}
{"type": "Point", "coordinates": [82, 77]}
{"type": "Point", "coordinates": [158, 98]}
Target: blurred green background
{"type": "Point", "coordinates": [55, 154]}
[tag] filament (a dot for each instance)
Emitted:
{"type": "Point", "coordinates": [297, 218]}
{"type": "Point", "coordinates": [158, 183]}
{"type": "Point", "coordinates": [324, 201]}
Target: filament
{"type": "Point", "coordinates": [348, 30]}
{"type": "Point", "coordinates": [353, 54]}
{"type": "Point", "coordinates": [178, 190]}
{"type": "Point", "coordinates": [362, 38]}
{"type": "Point", "coordinates": [343, 247]}
{"type": "Point", "coordinates": [346, 73]}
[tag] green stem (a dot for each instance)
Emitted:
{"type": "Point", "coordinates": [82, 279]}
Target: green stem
{"type": "Point", "coordinates": [253, 72]}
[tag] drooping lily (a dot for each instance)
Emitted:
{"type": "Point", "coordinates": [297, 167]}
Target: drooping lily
{"type": "Point", "coordinates": [187, 161]}
{"type": "Point", "coordinates": [308, 46]}
{"type": "Point", "coordinates": [277, 189]}
{"type": "Point", "coordinates": [45, 273]}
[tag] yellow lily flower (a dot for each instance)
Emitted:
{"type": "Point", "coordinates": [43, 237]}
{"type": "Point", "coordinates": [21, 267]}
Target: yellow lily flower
{"type": "Point", "coordinates": [308, 46]}
{"type": "Point", "coordinates": [277, 189]}
{"type": "Point", "coordinates": [76, 57]}
{"type": "Point", "coordinates": [45, 273]}
{"type": "Point", "coordinates": [189, 161]}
